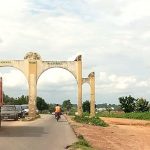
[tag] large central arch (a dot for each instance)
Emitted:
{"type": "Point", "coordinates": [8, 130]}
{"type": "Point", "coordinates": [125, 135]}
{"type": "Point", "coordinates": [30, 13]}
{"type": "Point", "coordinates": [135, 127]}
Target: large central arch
{"type": "Point", "coordinates": [32, 66]}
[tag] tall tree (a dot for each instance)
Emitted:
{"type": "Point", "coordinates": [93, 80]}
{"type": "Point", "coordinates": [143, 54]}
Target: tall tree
{"type": "Point", "coordinates": [51, 107]}
{"type": "Point", "coordinates": [141, 105]}
{"type": "Point", "coordinates": [86, 106]}
{"type": "Point", "coordinates": [15, 101]}
{"type": "Point", "coordinates": [109, 108]}
{"type": "Point", "coordinates": [127, 103]}
{"type": "Point", "coordinates": [41, 104]}
{"type": "Point", "coordinates": [67, 105]}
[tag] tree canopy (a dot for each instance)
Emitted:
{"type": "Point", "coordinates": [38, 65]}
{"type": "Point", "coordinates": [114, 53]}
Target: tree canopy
{"type": "Point", "coordinates": [67, 105]}
{"type": "Point", "coordinates": [141, 105]}
{"type": "Point", "coordinates": [15, 101]}
{"type": "Point", "coordinates": [127, 103]}
{"type": "Point", "coordinates": [41, 104]}
{"type": "Point", "coordinates": [130, 104]}
{"type": "Point", "coordinates": [86, 106]}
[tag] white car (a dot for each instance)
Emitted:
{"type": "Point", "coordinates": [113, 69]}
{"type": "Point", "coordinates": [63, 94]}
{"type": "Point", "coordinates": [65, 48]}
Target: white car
{"type": "Point", "coordinates": [25, 107]}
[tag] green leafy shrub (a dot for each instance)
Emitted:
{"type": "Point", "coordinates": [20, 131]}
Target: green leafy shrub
{"type": "Point", "coordinates": [93, 120]}
{"type": "Point", "coordinates": [86, 114]}
{"type": "Point", "coordinates": [98, 122]}
{"type": "Point", "coordinates": [81, 119]}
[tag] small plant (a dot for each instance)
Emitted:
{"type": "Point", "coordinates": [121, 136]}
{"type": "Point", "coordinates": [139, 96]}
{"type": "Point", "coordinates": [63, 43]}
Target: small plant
{"type": "Point", "coordinates": [81, 144]}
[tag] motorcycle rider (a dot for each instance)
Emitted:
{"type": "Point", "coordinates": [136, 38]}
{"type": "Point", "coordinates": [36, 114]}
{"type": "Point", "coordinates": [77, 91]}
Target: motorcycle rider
{"type": "Point", "coordinates": [57, 110]}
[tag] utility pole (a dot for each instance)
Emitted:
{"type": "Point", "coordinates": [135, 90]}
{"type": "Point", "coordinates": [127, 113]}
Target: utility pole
{"type": "Point", "coordinates": [1, 97]}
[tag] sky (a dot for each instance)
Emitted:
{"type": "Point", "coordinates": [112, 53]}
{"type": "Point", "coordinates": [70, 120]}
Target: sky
{"type": "Point", "coordinates": [112, 36]}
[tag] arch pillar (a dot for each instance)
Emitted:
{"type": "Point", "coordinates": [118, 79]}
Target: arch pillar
{"type": "Point", "coordinates": [32, 79]}
{"type": "Point", "coordinates": [91, 81]}
{"type": "Point", "coordinates": [92, 93]}
{"type": "Point", "coordinates": [79, 82]}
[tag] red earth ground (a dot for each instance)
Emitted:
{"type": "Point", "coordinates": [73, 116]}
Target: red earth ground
{"type": "Point", "coordinates": [122, 134]}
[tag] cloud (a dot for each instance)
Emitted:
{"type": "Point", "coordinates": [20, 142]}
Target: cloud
{"type": "Point", "coordinates": [112, 36]}
{"type": "Point", "coordinates": [1, 41]}
{"type": "Point", "coordinates": [115, 83]}
{"type": "Point", "coordinates": [135, 10]}
{"type": "Point", "coordinates": [13, 79]}
{"type": "Point", "coordinates": [143, 84]}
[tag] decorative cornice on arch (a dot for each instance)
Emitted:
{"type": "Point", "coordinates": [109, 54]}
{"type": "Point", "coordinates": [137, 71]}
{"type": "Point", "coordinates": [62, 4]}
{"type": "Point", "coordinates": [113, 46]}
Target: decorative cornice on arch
{"type": "Point", "coordinates": [32, 56]}
{"type": "Point", "coordinates": [78, 58]}
{"type": "Point", "coordinates": [92, 74]}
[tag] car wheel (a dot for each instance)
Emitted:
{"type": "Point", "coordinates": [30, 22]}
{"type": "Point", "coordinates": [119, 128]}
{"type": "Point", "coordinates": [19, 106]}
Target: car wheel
{"type": "Point", "coordinates": [16, 118]}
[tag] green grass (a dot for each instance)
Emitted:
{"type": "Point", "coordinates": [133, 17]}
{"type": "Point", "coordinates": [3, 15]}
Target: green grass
{"type": "Point", "coordinates": [90, 120]}
{"type": "Point", "coordinates": [133, 115]}
{"type": "Point", "coordinates": [81, 144]}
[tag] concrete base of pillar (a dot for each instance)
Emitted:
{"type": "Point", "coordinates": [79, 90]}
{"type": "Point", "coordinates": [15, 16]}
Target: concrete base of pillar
{"type": "Point", "coordinates": [32, 115]}
{"type": "Point", "coordinates": [92, 115]}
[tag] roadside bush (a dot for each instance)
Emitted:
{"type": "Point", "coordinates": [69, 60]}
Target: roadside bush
{"type": "Point", "coordinates": [72, 112]}
{"type": "Point", "coordinates": [81, 119]}
{"type": "Point", "coordinates": [98, 122]}
{"type": "Point", "coordinates": [86, 114]}
{"type": "Point", "coordinates": [93, 120]}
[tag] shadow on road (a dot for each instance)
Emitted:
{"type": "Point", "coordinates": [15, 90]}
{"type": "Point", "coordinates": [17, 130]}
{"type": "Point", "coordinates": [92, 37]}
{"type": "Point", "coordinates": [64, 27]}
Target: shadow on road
{"type": "Point", "coordinates": [62, 121]}
{"type": "Point", "coordinates": [22, 131]}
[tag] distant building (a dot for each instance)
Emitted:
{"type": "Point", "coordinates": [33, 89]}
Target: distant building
{"type": "Point", "coordinates": [100, 109]}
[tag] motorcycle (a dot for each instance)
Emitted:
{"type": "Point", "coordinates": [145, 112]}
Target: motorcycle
{"type": "Point", "coordinates": [57, 116]}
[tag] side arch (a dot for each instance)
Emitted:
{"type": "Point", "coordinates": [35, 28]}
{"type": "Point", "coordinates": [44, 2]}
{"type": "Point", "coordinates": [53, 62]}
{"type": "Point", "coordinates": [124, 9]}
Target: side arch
{"type": "Point", "coordinates": [57, 68]}
{"type": "Point", "coordinates": [14, 80]}
{"type": "Point", "coordinates": [67, 65]}
{"type": "Point", "coordinates": [18, 64]}
{"type": "Point", "coordinates": [54, 81]}
{"type": "Point", "coordinates": [13, 67]}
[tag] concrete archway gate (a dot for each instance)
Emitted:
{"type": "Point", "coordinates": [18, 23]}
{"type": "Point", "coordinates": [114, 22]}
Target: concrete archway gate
{"type": "Point", "coordinates": [33, 66]}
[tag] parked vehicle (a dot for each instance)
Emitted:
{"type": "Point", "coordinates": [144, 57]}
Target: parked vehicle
{"type": "Point", "coordinates": [25, 108]}
{"type": "Point", "coordinates": [21, 112]}
{"type": "Point", "coordinates": [9, 112]}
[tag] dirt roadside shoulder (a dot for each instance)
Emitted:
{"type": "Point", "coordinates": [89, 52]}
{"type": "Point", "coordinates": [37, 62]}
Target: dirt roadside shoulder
{"type": "Point", "coordinates": [120, 135]}
{"type": "Point", "coordinates": [123, 121]}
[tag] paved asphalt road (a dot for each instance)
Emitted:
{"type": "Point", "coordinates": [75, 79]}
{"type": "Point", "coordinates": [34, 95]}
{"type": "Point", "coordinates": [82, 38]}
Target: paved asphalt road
{"type": "Point", "coordinates": [42, 134]}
